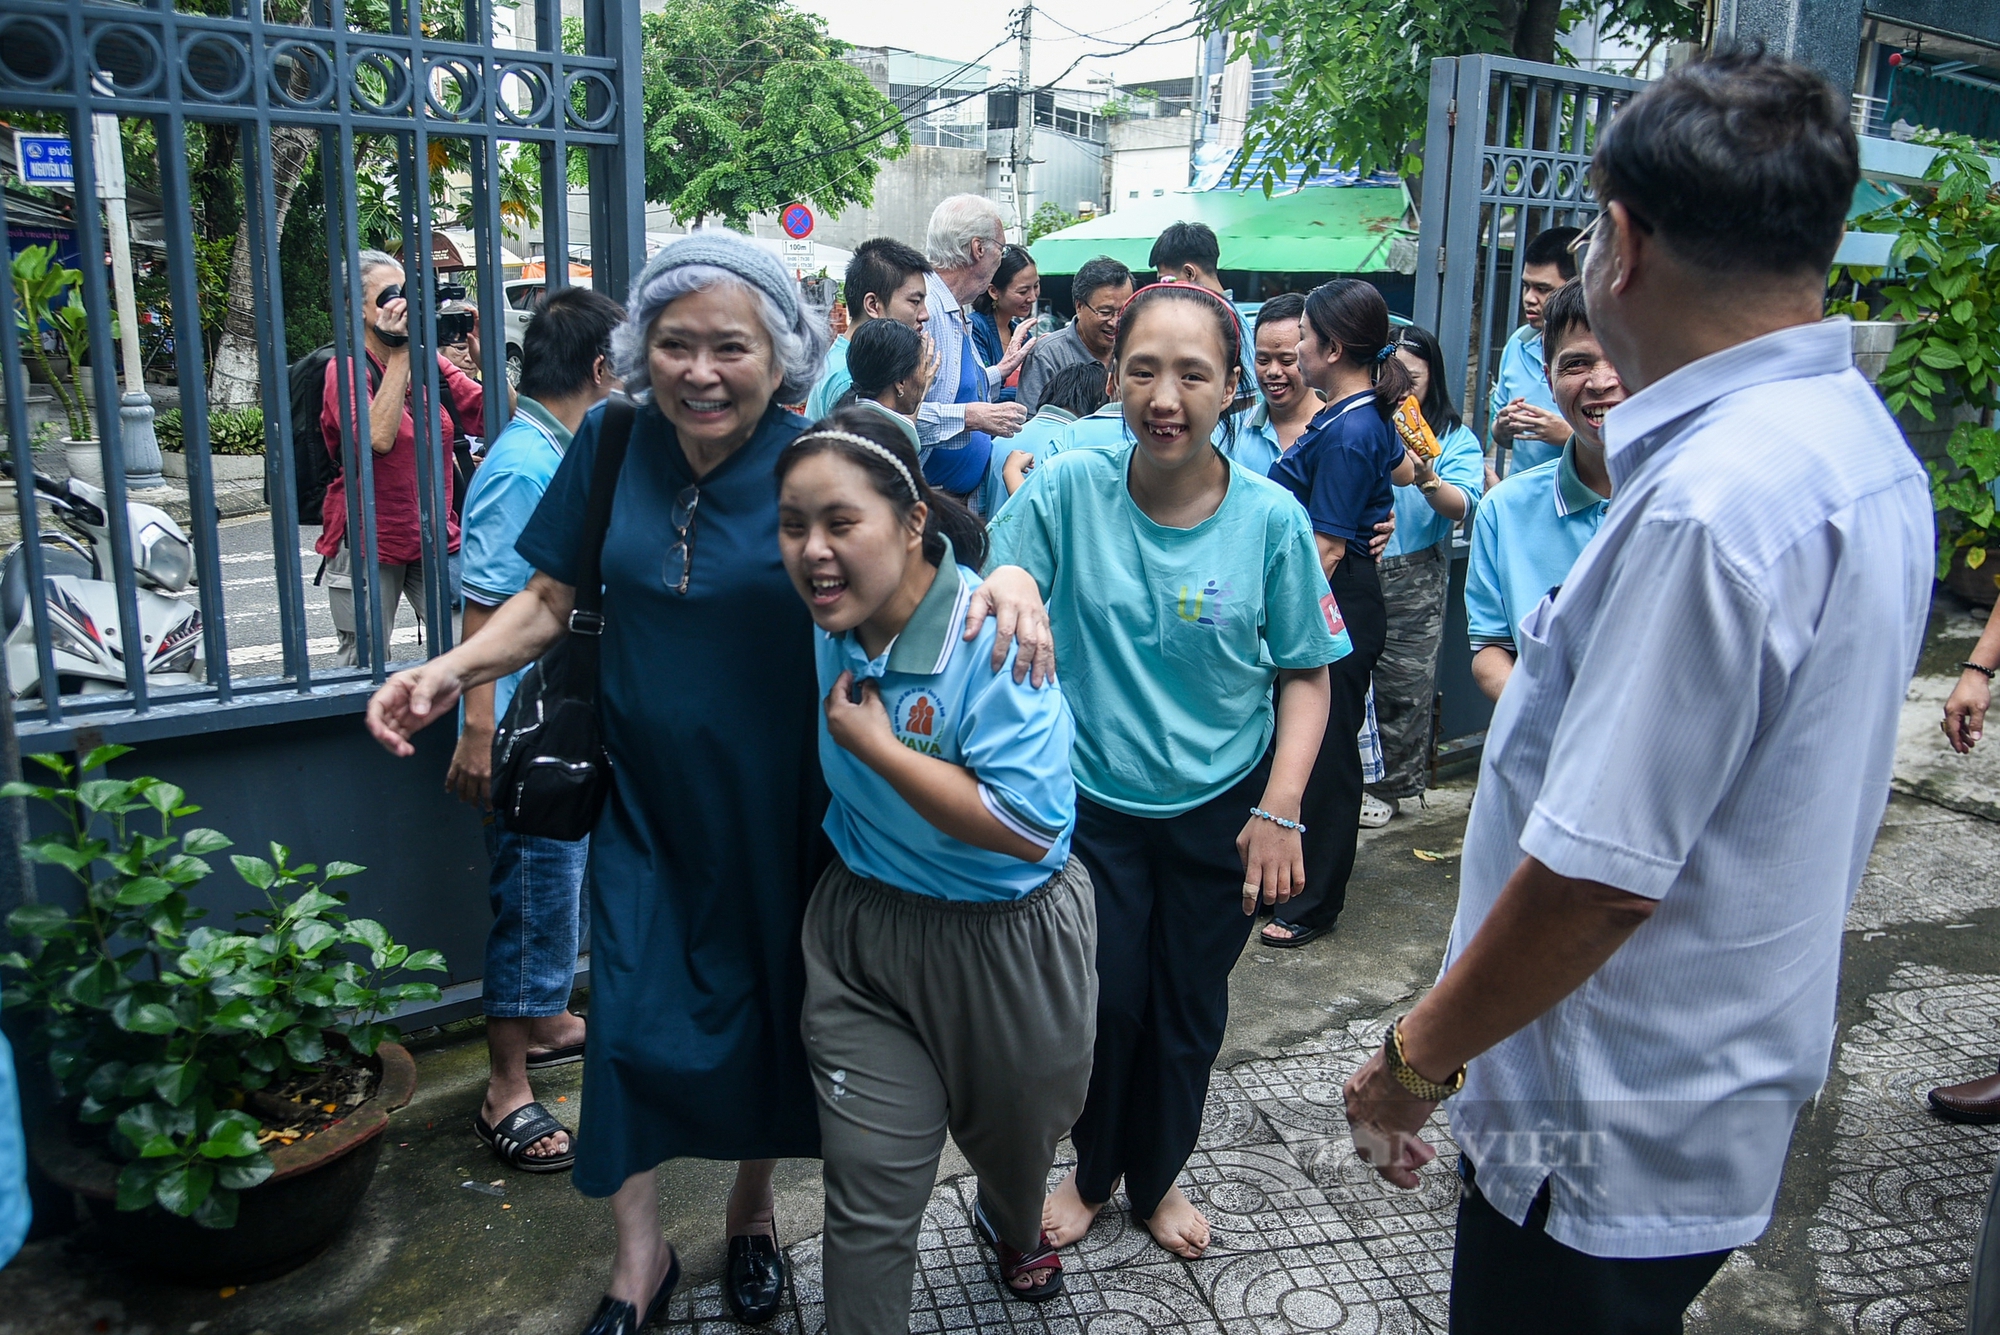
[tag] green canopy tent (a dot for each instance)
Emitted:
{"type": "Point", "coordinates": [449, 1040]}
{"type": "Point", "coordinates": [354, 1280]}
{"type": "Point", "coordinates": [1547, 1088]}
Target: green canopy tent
{"type": "Point", "coordinates": [1320, 229]}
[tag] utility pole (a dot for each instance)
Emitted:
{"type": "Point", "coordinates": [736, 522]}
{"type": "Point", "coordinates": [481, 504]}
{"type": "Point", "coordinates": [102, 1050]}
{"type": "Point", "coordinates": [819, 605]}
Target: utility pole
{"type": "Point", "coordinates": [1024, 132]}
{"type": "Point", "coordinates": [135, 411]}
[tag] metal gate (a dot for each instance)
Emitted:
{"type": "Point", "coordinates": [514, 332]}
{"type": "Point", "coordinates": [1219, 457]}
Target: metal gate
{"type": "Point", "coordinates": [1506, 156]}
{"type": "Point", "coordinates": [272, 747]}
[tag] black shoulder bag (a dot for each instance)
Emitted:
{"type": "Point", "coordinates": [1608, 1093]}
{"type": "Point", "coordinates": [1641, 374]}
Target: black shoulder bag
{"type": "Point", "coordinates": [550, 770]}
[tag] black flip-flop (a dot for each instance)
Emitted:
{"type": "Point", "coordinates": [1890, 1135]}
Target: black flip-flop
{"type": "Point", "coordinates": [1299, 935]}
{"type": "Point", "coordinates": [547, 1057]}
{"type": "Point", "coordinates": [525, 1126]}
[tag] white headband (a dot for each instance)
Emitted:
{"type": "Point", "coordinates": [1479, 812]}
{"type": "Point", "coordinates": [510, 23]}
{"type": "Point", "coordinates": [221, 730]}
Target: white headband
{"type": "Point", "coordinates": [850, 438]}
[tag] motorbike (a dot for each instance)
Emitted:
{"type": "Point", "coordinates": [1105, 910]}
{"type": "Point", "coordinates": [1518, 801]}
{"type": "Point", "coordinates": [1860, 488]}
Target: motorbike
{"type": "Point", "coordinates": [82, 600]}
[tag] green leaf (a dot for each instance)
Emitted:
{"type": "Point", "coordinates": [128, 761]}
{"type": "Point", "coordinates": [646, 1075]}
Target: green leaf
{"type": "Point", "coordinates": [232, 1135]}
{"type": "Point", "coordinates": [163, 797]}
{"type": "Point", "coordinates": [27, 790]}
{"type": "Point", "coordinates": [151, 1018]}
{"type": "Point", "coordinates": [368, 932]}
{"type": "Point", "coordinates": [92, 985]}
{"type": "Point", "coordinates": [311, 937]}
{"type": "Point", "coordinates": [135, 1183]}
{"type": "Point", "coordinates": [177, 1084]}
{"type": "Point", "coordinates": [336, 870]}
{"type": "Point", "coordinates": [145, 890]}
{"type": "Point", "coordinates": [257, 872]}
{"type": "Point", "coordinates": [200, 841]}
{"type": "Point", "coordinates": [146, 1128]}
{"type": "Point", "coordinates": [425, 959]}
{"type": "Point", "coordinates": [49, 760]}
{"type": "Point", "coordinates": [305, 1045]}
{"type": "Point", "coordinates": [53, 851]}
{"type": "Point", "coordinates": [183, 1188]}
{"type": "Point", "coordinates": [365, 1038]}
{"type": "Point", "coordinates": [106, 794]}
{"type": "Point", "coordinates": [311, 904]}
{"type": "Point", "coordinates": [103, 1082]}
{"type": "Point", "coordinates": [219, 1210]}
{"type": "Point", "coordinates": [40, 921]}
{"type": "Point", "coordinates": [1941, 355]}
{"type": "Point", "coordinates": [101, 756]}
{"type": "Point", "coordinates": [245, 1175]}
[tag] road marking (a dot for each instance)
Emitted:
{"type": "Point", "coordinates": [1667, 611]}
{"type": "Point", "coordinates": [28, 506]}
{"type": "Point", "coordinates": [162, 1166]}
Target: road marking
{"type": "Point", "coordinates": [251, 654]}
{"type": "Point", "coordinates": [238, 558]}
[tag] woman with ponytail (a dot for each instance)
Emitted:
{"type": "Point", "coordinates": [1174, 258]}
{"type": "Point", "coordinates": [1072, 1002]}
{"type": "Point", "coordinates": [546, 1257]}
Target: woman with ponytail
{"type": "Point", "coordinates": [1344, 470]}
{"type": "Point", "coordinates": [949, 948]}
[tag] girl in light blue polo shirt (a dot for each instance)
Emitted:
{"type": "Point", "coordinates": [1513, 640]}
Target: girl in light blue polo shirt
{"type": "Point", "coordinates": [1185, 592]}
{"type": "Point", "coordinates": [949, 947]}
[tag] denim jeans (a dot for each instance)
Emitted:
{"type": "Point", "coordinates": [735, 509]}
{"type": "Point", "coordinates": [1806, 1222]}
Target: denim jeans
{"type": "Point", "coordinates": [535, 888]}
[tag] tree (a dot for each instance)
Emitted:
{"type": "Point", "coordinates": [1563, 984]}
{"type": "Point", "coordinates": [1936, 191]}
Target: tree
{"type": "Point", "coordinates": [749, 106]}
{"type": "Point", "coordinates": [1050, 217]}
{"type": "Point", "coordinates": [1357, 75]}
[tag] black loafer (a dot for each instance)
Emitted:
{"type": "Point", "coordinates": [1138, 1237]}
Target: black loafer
{"type": "Point", "coordinates": [755, 1282]}
{"type": "Point", "coordinates": [615, 1316]}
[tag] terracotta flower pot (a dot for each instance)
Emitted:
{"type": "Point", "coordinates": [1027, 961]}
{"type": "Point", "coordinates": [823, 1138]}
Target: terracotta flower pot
{"type": "Point", "coordinates": [282, 1223]}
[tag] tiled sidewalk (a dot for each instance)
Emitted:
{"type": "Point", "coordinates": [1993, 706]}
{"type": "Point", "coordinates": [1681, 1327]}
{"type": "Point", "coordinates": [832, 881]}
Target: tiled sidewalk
{"type": "Point", "coordinates": [1305, 1236]}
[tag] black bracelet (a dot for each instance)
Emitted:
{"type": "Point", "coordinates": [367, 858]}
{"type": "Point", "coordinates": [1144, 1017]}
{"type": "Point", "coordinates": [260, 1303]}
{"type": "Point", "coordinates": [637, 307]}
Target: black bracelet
{"type": "Point", "coordinates": [1974, 667]}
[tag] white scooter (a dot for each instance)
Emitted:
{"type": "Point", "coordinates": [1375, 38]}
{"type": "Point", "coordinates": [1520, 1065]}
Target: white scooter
{"type": "Point", "coordinates": [82, 600]}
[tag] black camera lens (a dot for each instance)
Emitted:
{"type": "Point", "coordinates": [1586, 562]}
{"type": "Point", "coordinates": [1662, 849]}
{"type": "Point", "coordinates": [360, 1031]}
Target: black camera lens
{"type": "Point", "coordinates": [450, 291]}
{"type": "Point", "coordinates": [389, 294]}
{"type": "Point", "coordinates": [455, 327]}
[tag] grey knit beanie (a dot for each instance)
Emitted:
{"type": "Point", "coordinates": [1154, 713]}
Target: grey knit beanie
{"type": "Point", "coordinates": [733, 253]}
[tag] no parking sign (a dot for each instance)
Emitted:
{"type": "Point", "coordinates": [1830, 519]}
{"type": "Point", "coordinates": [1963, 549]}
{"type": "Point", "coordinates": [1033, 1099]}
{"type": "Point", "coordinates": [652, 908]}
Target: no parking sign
{"type": "Point", "coordinates": [797, 220]}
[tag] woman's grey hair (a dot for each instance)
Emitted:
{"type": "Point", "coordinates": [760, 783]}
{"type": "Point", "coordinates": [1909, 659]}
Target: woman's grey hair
{"type": "Point", "coordinates": [798, 342]}
{"type": "Point", "coordinates": [956, 224]}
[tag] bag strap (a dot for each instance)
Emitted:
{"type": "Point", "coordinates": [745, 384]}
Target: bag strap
{"type": "Point", "coordinates": [586, 619]}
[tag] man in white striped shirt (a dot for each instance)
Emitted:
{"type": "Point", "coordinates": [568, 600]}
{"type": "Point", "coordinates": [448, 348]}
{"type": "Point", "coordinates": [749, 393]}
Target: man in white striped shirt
{"type": "Point", "coordinates": [1685, 773]}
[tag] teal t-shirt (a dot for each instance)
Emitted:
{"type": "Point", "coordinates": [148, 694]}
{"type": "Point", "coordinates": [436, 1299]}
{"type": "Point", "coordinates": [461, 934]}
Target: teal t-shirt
{"type": "Point", "coordinates": [1169, 639]}
{"type": "Point", "coordinates": [834, 381]}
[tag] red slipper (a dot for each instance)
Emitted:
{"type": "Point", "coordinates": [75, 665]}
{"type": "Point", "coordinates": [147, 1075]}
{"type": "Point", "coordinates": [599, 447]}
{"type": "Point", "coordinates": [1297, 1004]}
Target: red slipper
{"type": "Point", "coordinates": [1015, 1262]}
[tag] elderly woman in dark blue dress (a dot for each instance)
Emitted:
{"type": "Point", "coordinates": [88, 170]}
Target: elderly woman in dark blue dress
{"type": "Point", "coordinates": [702, 861]}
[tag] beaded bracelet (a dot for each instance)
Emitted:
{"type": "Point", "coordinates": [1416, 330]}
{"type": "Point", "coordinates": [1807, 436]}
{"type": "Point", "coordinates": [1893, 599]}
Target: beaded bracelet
{"type": "Point", "coordinates": [1278, 821]}
{"type": "Point", "coordinates": [1974, 667]}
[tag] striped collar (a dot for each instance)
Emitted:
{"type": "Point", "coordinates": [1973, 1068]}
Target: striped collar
{"type": "Point", "coordinates": [927, 641]}
{"type": "Point", "coordinates": [544, 421]}
{"type": "Point", "coordinates": [909, 428]}
{"type": "Point", "coordinates": [1061, 416]}
{"type": "Point", "coordinates": [1572, 496]}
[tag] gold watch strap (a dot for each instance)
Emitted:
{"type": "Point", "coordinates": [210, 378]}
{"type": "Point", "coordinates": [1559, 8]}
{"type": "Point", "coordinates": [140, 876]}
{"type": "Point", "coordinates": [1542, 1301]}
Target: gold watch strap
{"type": "Point", "coordinates": [1407, 1076]}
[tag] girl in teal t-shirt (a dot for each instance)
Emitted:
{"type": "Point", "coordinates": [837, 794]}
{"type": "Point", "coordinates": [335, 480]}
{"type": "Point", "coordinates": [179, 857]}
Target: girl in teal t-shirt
{"type": "Point", "coordinates": [1182, 588]}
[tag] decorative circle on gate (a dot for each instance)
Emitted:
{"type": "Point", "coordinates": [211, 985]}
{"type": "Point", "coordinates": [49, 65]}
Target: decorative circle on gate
{"type": "Point", "coordinates": [215, 67]}
{"type": "Point", "coordinates": [606, 91]}
{"type": "Point", "coordinates": [301, 73]}
{"type": "Point", "coordinates": [1513, 173]}
{"type": "Point", "coordinates": [523, 82]}
{"type": "Point", "coordinates": [129, 56]}
{"type": "Point", "coordinates": [379, 82]}
{"type": "Point", "coordinates": [33, 51]}
{"type": "Point", "coordinates": [1566, 179]}
{"type": "Point", "coordinates": [452, 88]}
{"type": "Point", "coordinates": [1538, 180]}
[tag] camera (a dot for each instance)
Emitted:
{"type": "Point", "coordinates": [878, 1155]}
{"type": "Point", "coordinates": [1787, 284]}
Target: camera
{"type": "Point", "coordinates": [453, 326]}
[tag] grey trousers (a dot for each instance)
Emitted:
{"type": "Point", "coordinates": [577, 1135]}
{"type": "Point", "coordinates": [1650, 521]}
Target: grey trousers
{"type": "Point", "coordinates": [1414, 588]}
{"type": "Point", "coordinates": [395, 582]}
{"type": "Point", "coordinates": [922, 1014]}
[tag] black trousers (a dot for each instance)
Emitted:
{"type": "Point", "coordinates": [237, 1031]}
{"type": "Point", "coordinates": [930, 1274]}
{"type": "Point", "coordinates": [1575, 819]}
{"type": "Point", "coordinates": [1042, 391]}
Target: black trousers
{"type": "Point", "coordinates": [1514, 1279]}
{"type": "Point", "coordinates": [1331, 811]}
{"type": "Point", "coordinates": [1170, 924]}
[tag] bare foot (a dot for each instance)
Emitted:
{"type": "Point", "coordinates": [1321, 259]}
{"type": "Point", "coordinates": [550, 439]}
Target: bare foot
{"type": "Point", "coordinates": [1178, 1226]}
{"type": "Point", "coordinates": [498, 1109]}
{"type": "Point", "coordinates": [1066, 1215]}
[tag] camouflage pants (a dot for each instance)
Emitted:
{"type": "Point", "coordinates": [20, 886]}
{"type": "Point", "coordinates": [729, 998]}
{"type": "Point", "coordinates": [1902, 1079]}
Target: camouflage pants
{"type": "Point", "coordinates": [1414, 587]}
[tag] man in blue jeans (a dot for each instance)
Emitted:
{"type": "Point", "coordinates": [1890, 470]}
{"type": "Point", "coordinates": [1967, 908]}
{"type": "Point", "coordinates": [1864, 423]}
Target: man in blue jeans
{"type": "Point", "coordinates": [536, 883]}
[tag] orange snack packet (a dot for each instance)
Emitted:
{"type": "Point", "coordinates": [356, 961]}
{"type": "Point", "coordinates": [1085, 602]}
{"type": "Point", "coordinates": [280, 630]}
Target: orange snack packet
{"type": "Point", "coordinates": [1415, 431]}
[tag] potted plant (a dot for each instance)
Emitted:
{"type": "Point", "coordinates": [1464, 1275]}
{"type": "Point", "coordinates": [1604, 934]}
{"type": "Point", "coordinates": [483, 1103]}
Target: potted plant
{"type": "Point", "coordinates": [223, 1091]}
{"type": "Point", "coordinates": [1945, 366]}
{"type": "Point", "coordinates": [49, 293]}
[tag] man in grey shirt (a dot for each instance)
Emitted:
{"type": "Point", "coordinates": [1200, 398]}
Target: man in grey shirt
{"type": "Point", "coordinates": [1100, 289]}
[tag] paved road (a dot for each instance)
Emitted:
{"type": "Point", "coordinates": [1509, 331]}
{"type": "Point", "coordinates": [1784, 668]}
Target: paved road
{"type": "Point", "coordinates": [251, 603]}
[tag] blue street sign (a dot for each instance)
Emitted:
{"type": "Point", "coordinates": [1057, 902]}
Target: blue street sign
{"type": "Point", "coordinates": [44, 158]}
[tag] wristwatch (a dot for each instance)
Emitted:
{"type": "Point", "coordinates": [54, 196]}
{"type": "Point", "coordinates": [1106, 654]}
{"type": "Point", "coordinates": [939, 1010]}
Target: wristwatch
{"type": "Point", "coordinates": [1430, 487]}
{"type": "Point", "coordinates": [1406, 1075]}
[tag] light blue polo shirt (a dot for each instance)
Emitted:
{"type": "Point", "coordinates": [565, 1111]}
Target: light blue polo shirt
{"type": "Point", "coordinates": [505, 490]}
{"type": "Point", "coordinates": [1520, 375]}
{"type": "Point", "coordinates": [834, 381]}
{"type": "Point", "coordinates": [1037, 436]}
{"type": "Point", "coordinates": [1528, 533]}
{"type": "Point", "coordinates": [1169, 638]}
{"type": "Point", "coordinates": [1255, 444]}
{"type": "Point", "coordinates": [1418, 527]}
{"type": "Point", "coordinates": [945, 700]}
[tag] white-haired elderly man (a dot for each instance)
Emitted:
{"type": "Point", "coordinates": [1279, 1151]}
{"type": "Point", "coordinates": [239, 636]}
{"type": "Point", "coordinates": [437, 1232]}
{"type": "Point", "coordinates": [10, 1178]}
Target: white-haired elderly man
{"type": "Point", "coordinates": [958, 419]}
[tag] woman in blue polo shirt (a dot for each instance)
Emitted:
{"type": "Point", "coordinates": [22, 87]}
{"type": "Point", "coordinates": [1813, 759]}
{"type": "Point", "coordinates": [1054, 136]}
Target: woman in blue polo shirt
{"type": "Point", "coordinates": [1183, 589]}
{"type": "Point", "coordinates": [1344, 470]}
{"type": "Point", "coordinates": [949, 948]}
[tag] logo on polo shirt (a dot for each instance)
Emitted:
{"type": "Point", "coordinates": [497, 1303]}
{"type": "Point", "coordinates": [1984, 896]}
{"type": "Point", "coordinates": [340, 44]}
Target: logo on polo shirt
{"type": "Point", "coordinates": [918, 715]}
{"type": "Point", "coordinates": [1205, 609]}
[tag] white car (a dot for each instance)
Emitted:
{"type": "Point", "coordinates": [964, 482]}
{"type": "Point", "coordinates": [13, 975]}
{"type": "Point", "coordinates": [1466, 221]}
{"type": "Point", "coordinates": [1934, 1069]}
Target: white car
{"type": "Point", "coordinates": [522, 294]}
